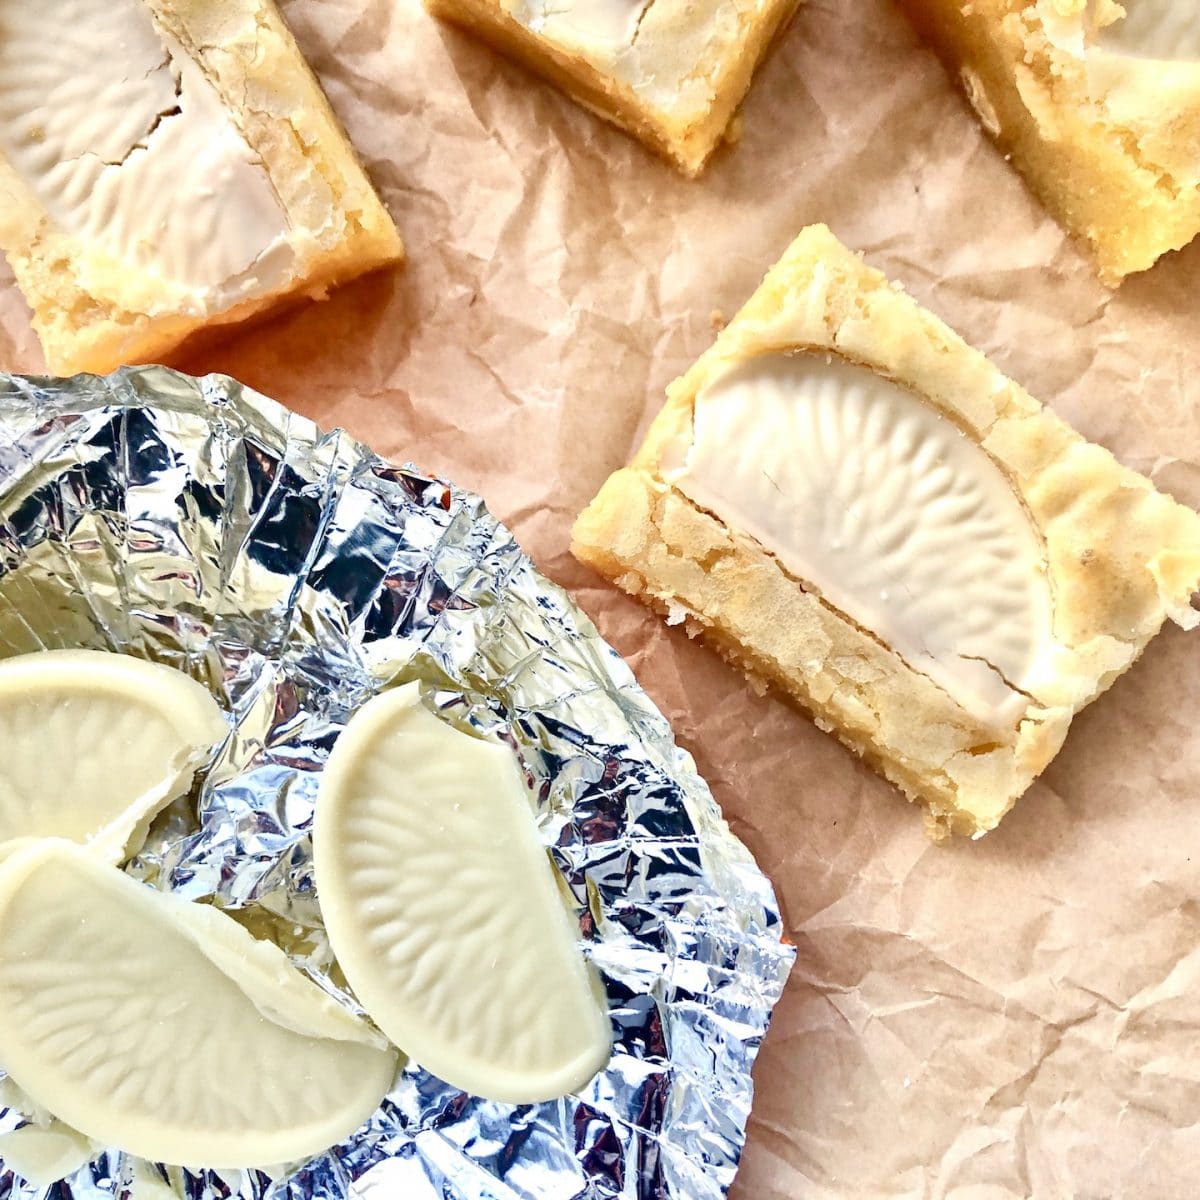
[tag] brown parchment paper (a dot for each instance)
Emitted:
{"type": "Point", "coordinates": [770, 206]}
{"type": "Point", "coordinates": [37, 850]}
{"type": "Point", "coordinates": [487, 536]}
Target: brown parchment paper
{"type": "Point", "coordinates": [1014, 1017]}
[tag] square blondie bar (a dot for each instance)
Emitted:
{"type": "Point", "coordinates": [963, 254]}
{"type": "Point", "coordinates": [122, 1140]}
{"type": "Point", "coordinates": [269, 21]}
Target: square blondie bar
{"type": "Point", "coordinates": [670, 72]}
{"type": "Point", "coordinates": [1098, 106]}
{"type": "Point", "coordinates": [850, 503]}
{"type": "Point", "coordinates": [167, 166]}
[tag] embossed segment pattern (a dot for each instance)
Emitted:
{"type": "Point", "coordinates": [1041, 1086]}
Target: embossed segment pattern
{"type": "Point", "coordinates": [333, 564]}
{"type": "Point", "coordinates": [102, 983]}
{"type": "Point", "coordinates": [872, 497]}
{"type": "Point", "coordinates": [443, 909]}
{"type": "Point", "coordinates": [96, 743]}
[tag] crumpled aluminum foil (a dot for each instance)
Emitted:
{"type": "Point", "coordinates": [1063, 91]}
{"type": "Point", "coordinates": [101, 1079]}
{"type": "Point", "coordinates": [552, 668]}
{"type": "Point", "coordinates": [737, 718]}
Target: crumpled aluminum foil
{"type": "Point", "coordinates": [197, 523]}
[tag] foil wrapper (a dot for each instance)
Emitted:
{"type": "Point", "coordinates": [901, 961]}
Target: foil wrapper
{"type": "Point", "coordinates": [194, 522]}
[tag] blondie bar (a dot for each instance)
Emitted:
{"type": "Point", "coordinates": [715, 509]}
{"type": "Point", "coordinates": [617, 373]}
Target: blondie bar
{"type": "Point", "coordinates": [671, 72]}
{"type": "Point", "coordinates": [167, 166]}
{"type": "Point", "coordinates": [1098, 106]}
{"type": "Point", "coordinates": [849, 502]}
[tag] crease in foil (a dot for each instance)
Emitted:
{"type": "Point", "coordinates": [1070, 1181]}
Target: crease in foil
{"type": "Point", "coordinates": [295, 573]}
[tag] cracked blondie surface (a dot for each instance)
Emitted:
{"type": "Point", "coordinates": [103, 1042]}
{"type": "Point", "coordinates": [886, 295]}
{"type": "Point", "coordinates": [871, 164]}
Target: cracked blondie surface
{"type": "Point", "coordinates": [854, 506]}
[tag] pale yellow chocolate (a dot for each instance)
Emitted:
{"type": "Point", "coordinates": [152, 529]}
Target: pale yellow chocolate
{"type": "Point", "coordinates": [162, 1028]}
{"type": "Point", "coordinates": [96, 745]}
{"type": "Point", "coordinates": [444, 910]}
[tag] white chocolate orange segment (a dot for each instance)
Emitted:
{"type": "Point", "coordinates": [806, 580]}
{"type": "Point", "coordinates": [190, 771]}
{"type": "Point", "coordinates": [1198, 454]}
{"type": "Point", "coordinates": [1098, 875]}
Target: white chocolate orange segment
{"type": "Point", "coordinates": [1163, 32]}
{"type": "Point", "coordinates": [445, 912]}
{"type": "Point", "coordinates": [97, 744]}
{"type": "Point", "coordinates": [1143, 73]}
{"type": "Point", "coordinates": [1097, 103]}
{"type": "Point", "coordinates": [117, 132]}
{"type": "Point", "coordinates": [869, 495]}
{"type": "Point", "coordinates": [163, 1029]}
{"type": "Point", "coordinates": [1140, 70]}
{"type": "Point", "coordinates": [44, 1155]}
{"type": "Point", "coordinates": [1117, 556]}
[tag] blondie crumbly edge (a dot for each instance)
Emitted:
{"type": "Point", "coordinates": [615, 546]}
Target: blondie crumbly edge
{"type": "Point", "coordinates": [1121, 557]}
{"type": "Point", "coordinates": [249, 55]}
{"type": "Point", "coordinates": [686, 134]}
{"type": "Point", "coordinates": [1121, 185]}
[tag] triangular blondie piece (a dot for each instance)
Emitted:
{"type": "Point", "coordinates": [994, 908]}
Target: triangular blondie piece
{"type": "Point", "coordinates": [670, 72]}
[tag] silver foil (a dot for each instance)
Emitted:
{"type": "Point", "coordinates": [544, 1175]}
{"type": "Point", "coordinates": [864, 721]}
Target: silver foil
{"type": "Point", "coordinates": [197, 523]}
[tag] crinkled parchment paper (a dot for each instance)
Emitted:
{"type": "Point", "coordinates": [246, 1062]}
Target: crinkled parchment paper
{"type": "Point", "coordinates": [1018, 1016]}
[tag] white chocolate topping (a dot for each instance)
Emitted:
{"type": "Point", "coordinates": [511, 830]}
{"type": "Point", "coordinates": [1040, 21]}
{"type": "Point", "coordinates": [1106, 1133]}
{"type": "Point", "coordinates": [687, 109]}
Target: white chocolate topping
{"type": "Point", "coordinates": [599, 25]}
{"type": "Point", "coordinates": [127, 145]}
{"type": "Point", "coordinates": [44, 1155]}
{"type": "Point", "coordinates": [445, 912]}
{"type": "Point", "coordinates": [669, 52]}
{"type": "Point", "coordinates": [871, 497]}
{"type": "Point", "coordinates": [1141, 66]}
{"type": "Point", "coordinates": [164, 1029]}
{"type": "Point", "coordinates": [95, 745]}
{"type": "Point", "coordinates": [1160, 30]}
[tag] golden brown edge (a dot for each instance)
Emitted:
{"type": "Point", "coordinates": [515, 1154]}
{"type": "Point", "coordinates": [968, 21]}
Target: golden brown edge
{"type": "Point", "coordinates": [687, 146]}
{"type": "Point", "coordinates": [1113, 203]}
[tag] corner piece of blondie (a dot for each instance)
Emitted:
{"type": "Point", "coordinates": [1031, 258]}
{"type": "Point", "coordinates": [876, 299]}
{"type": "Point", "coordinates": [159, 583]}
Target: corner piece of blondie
{"type": "Point", "coordinates": [1098, 106]}
{"type": "Point", "coordinates": [850, 503]}
{"type": "Point", "coordinates": [670, 72]}
{"type": "Point", "coordinates": [167, 166]}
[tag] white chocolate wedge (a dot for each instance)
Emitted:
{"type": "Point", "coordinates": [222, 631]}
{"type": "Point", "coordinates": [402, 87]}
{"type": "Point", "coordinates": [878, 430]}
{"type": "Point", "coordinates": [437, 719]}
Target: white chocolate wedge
{"type": "Point", "coordinates": [899, 520]}
{"type": "Point", "coordinates": [446, 914]}
{"type": "Point", "coordinates": [96, 745]}
{"type": "Point", "coordinates": [1158, 30]}
{"type": "Point", "coordinates": [44, 1155]}
{"type": "Point", "coordinates": [163, 1029]}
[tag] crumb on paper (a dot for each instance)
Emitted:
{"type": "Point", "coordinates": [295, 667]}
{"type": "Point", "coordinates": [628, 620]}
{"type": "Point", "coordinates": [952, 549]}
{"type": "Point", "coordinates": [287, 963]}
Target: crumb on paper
{"type": "Point", "coordinates": [676, 614]}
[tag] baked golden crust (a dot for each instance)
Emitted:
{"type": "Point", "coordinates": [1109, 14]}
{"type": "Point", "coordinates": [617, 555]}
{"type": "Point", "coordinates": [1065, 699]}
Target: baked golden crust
{"type": "Point", "coordinates": [1109, 142]}
{"type": "Point", "coordinates": [93, 311]}
{"type": "Point", "coordinates": [1120, 557]}
{"type": "Point", "coordinates": [676, 87]}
